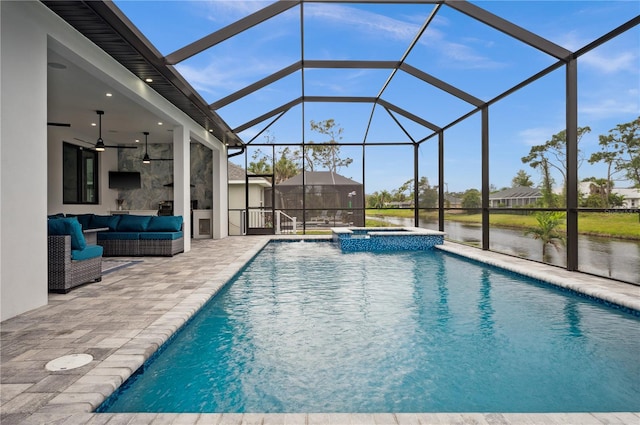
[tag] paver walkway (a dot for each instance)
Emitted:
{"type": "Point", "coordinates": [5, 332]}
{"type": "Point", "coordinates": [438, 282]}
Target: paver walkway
{"type": "Point", "coordinates": [122, 320]}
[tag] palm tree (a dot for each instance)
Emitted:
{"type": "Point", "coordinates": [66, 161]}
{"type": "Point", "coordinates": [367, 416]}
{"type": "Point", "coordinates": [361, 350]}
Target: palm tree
{"type": "Point", "coordinates": [547, 232]}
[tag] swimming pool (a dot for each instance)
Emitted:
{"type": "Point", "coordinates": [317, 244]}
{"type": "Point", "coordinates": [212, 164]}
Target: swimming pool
{"type": "Point", "coordinates": [305, 328]}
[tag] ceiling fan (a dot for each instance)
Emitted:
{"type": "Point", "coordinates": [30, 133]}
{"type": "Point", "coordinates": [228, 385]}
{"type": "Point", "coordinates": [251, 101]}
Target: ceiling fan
{"type": "Point", "coordinates": [100, 146]}
{"type": "Point", "coordinates": [59, 124]}
{"type": "Point", "coordinates": [146, 159]}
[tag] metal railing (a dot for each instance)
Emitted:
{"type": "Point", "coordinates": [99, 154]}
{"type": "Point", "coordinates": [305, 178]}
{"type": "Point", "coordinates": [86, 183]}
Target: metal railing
{"type": "Point", "coordinates": [285, 224]}
{"type": "Point", "coordinates": [261, 218]}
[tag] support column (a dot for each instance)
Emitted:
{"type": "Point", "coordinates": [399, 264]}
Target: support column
{"type": "Point", "coordinates": [572, 164]}
{"type": "Point", "coordinates": [441, 183]}
{"type": "Point", "coordinates": [182, 180]}
{"type": "Point", "coordinates": [23, 174]}
{"type": "Point", "coordinates": [416, 191]}
{"type": "Point", "coordinates": [220, 206]}
{"type": "Point", "coordinates": [485, 178]}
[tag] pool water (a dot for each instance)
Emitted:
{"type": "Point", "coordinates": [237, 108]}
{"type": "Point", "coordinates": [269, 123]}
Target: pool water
{"type": "Point", "coordinates": [306, 328]}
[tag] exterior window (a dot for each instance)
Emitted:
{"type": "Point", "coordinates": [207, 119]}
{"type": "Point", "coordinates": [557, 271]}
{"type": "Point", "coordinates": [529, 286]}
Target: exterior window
{"type": "Point", "coordinates": [79, 175]}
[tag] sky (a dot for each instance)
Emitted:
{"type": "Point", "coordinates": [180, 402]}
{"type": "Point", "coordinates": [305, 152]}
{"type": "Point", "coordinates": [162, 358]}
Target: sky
{"type": "Point", "coordinates": [456, 49]}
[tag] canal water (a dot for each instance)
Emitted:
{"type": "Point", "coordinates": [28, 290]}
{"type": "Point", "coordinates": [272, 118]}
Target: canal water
{"type": "Point", "coordinates": [608, 257]}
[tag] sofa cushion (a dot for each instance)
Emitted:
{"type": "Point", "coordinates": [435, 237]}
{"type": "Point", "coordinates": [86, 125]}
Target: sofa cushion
{"type": "Point", "coordinates": [110, 221]}
{"type": "Point", "coordinates": [75, 230]}
{"type": "Point", "coordinates": [160, 236]}
{"type": "Point", "coordinates": [133, 223]}
{"type": "Point", "coordinates": [111, 236]}
{"type": "Point", "coordinates": [68, 226]}
{"type": "Point", "coordinates": [83, 219]}
{"type": "Point", "coordinates": [165, 223]}
{"type": "Point", "coordinates": [90, 251]}
{"type": "Point", "coordinates": [58, 215]}
{"type": "Point", "coordinates": [56, 226]}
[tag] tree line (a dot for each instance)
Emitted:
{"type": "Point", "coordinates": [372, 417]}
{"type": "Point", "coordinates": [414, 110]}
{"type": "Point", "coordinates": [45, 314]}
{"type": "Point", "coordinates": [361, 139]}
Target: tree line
{"type": "Point", "coordinates": [619, 150]}
{"type": "Point", "coordinates": [287, 162]}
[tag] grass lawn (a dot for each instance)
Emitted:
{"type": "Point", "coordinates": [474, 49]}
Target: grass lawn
{"type": "Point", "coordinates": [618, 225]}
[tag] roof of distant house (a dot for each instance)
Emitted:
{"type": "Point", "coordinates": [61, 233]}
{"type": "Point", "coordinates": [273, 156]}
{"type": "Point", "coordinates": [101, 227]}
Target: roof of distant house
{"type": "Point", "coordinates": [627, 192]}
{"type": "Point", "coordinates": [320, 178]}
{"type": "Point", "coordinates": [517, 192]}
{"type": "Point", "coordinates": [235, 172]}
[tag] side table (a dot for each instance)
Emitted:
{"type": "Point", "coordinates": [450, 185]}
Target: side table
{"type": "Point", "coordinates": [91, 235]}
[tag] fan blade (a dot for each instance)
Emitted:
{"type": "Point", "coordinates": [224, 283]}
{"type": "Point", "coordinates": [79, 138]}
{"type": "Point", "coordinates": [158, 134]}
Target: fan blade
{"type": "Point", "coordinates": [107, 146]}
{"type": "Point", "coordinates": [121, 146]}
{"type": "Point", "coordinates": [59, 124]}
{"type": "Point", "coordinates": [160, 159]}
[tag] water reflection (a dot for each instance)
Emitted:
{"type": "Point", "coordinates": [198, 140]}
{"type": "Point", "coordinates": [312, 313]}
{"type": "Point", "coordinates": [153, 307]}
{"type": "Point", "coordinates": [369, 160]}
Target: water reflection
{"type": "Point", "coordinates": [484, 305]}
{"type": "Point", "coordinates": [613, 258]}
{"type": "Point", "coordinates": [573, 317]}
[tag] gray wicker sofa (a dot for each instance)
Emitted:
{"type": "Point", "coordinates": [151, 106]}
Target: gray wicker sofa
{"type": "Point", "coordinates": [137, 235]}
{"type": "Point", "coordinates": [71, 262]}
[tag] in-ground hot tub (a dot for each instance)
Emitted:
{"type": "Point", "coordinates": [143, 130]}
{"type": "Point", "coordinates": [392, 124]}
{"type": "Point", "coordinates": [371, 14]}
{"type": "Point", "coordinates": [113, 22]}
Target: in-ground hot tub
{"type": "Point", "coordinates": [379, 239]}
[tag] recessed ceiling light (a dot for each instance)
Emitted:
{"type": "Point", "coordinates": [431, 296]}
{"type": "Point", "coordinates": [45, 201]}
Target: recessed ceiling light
{"type": "Point", "coordinates": [137, 140]}
{"type": "Point", "coordinates": [56, 65]}
{"type": "Point", "coordinates": [93, 124]}
{"type": "Point", "coordinates": [211, 130]}
{"type": "Point", "coordinates": [159, 122]}
{"type": "Point", "coordinates": [109, 95]}
{"type": "Point", "coordinates": [149, 80]}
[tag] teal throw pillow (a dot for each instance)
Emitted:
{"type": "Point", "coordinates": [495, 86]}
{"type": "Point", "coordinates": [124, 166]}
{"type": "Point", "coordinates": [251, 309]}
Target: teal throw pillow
{"type": "Point", "coordinates": [83, 219]}
{"type": "Point", "coordinates": [165, 223]}
{"type": "Point", "coordinates": [57, 226]}
{"type": "Point", "coordinates": [133, 223]}
{"type": "Point", "coordinates": [68, 226]}
{"type": "Point", "coordinates": [75, 231]}
{"type": "Point", "coordinates": [101, 221]}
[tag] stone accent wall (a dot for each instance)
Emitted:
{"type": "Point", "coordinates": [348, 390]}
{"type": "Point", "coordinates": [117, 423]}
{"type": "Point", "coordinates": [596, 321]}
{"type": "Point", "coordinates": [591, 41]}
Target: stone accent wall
{"type": "Point", "coordinates": [158, 174]}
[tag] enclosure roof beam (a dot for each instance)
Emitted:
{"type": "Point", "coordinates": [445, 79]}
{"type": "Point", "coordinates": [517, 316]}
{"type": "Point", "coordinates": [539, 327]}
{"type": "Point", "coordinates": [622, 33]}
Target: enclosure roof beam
{"type": "Point", "coordinates": [340, 99]}
{"type": "Point", "coordinates": [399, 124]}
{"type": "Point", "coordinates": [509, 28]}
{"type": "Point", "coordinates": [358, 64]}
{"type": "Point", "coordinates": [257, 85]}
{"type": "Point", "coordinates": [376, 1]}
{"type": "Point", "coordinates": [408, 115]}
{"type": "Point", "coordinates": [229, 31]}
{"type": "Point", "coordinates": [268, 115]}
{"type": "Point", "coordinates": [337, 64]}
{"type": "Point", "coordinates": [336, 99]}
{"type": "Point", "coordinates": [430, 79]}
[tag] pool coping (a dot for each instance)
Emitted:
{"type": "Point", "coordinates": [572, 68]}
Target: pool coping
{"type": "Point", "coordinates": [75, 404]}
{"type": "Point", "coordinates": [388, 231]}
{"type": "Point", "coordinates": [610, 291]}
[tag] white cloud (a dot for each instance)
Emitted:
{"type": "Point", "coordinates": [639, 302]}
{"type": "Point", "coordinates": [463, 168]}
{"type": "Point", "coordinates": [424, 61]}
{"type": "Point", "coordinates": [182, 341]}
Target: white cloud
{"type": "Point", "coordinates": [225, 11]}
{"type": "Point", "coordinates": [464, 57]}
{"type": "Point", "coordinates": [606, 108]}
{"type": "Point", "coordinates": [610, 63]}
{"type": "Point", "coordinates": [363, 21]}
{"type": "Point", "coordinates": [535, 136]}
{"type": "Point", "coordinates": [455, 54]}
{"type": "Point", "coordinates": [223, 76]}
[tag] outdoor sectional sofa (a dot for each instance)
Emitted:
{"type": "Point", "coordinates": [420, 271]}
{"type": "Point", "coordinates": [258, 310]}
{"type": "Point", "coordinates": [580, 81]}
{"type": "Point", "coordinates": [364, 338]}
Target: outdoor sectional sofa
{"type": "Point", "coordinates": [136, 235]}
{"type": "Point", "coordinates": [71, 261]}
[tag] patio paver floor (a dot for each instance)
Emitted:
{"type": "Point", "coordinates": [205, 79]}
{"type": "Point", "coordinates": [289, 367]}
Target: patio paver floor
{"type": "Point", "coordinates": [123, 319]}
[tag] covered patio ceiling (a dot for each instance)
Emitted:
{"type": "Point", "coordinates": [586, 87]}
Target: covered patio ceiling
{"type": "Point", "coordinates": [390, 86]}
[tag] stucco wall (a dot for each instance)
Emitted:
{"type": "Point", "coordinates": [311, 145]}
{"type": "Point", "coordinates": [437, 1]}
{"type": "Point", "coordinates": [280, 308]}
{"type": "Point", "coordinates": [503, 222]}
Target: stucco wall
{"type": "Point", "coordinates": [23, 155]}
{"type": "Point", "coordinates": [30, 175]}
